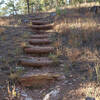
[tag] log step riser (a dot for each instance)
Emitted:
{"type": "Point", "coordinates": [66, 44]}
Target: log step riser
{"type": "Point", "coordinates": [39, 41]}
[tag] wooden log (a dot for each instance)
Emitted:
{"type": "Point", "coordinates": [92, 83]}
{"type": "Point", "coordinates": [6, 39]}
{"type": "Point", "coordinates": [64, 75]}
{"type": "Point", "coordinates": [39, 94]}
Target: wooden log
{"type": "Point", "coordinates": [39, 22]}
{"type": "Point", "coordinates": [39, 41]}
{"type": "Point", "coordinates": [39, 36]}
{"type": "Point", "coordinates": [35, 62]}
{"type": "Point", "coordinates": [38, 79]}
{"type": "Point", "coordinates": [38, 50]}
{"type": "Point", "coordinates": [42, 27]}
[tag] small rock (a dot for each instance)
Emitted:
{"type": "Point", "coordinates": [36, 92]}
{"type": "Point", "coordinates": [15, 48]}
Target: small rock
{"type": "Point", "coordinates": [61, 65]}
{"type": "Point", "coordinates": [74, 80]}
{"type": "Point", "coordinates": [70, 83]}
{"type": "Point", "coordinates": [53, 14]}
{"type": "Point", "coordinates": [71, 76]}
{"type": "Point", "coordinates": [42, 91]}
{"type": "Point", "coordinates": [61, 61]}
{"type": "Point", "coordinates": [23, 94]}
{"type": "Point", "coordinates": [66, 82]}
{"type": "Point", "coordinates": [20, 68]}
{"type": "Point", "coordinates": [1, 87]}
{"type": "Point", "coordinates": [89, 98]}
{"type": "Point", "coordinates": [24, 20]}
{"type": "Point", "coordinates": [28, 98]}
{"type": "Point", "coordinates": [53, 95]}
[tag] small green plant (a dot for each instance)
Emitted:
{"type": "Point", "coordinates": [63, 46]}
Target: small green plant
{"type": "Point", "coordinates": [66, 69]}
{"type": "Point", "coordinates": [58, 11]}
{"type": "Point", "coordinates": [15, 73]}
{"type": "Point", "coordinates": [13, 76]}
{"type": "Point", "coordinates": [19, 21]}
{"type": "Point", "coordinates": [18, 51]}
{"type": "Point", "coordinates": [53, 57]}
{"type": "Point", "coordinates": [97, 69]}
{"type": "Point", "coordinates": [64, 11]}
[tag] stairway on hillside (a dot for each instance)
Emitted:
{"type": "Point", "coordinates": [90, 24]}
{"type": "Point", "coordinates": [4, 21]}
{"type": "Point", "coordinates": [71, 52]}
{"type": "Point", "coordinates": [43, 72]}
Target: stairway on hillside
{"type": "Point", "coordinates": [37, 57]}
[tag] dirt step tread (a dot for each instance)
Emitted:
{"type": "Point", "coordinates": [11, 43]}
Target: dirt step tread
{"type": "Point", "coordinates": [39, 36]}
{"type": "Point", "coordinates": [38, 49]}
{"type": "Point", "coordinates": [42, 32]}
{"type": "Point", "coordinates": [39, 41]}
{"type": "Point", "coordinates": [35, 61]}
{"type": "Point", "coordinates": [38, 79]}
{"type": "Point", "coordinates": [42, 75]}
{"type": "Point", "coordinates": [38, 18]}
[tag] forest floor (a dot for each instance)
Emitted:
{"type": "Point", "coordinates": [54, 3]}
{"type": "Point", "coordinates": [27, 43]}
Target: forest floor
{"type": "Point", "coordinates": [78, 42]}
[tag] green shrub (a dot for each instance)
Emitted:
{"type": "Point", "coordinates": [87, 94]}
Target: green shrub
{"type": "Point", "coordinates": [58, 11]}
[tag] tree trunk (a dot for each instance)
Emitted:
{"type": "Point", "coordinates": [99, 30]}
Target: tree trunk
{"type": "Point", "coordinates": [85, 1]}
{"type": "Point", "coordinates": [28, 7]}
{"type": "Point", "coordinates": [32, 9]}
{"type": "Point", "coordinates": [56, 3]}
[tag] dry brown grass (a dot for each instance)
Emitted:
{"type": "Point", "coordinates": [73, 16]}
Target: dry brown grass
{"type": "Point", "coordinates": [5, 21]}
{"type": "Point", "coordinates": [2, 30]}
{"type": "Point", "coordinates": [80, 31]}
{"type": "Point", "coordinates": [85, 90]}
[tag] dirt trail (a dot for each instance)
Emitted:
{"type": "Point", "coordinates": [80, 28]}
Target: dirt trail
{"type": "Point", "coordinates": [40, 45]}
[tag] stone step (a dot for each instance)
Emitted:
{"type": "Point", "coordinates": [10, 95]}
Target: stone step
{"type": "Point", "coordinates": [39, 22]}
{"type": "Point", "coordinates": [40, 41]}
{"type": "Point", "coordinates": [42, 27]}
{"type": "Point", "coordinates": [38, 79]}
{"type": "Point", "coordinates": [38, 49]}
{"type": "Point", "coordinates": [40, 36]}
{"type": "Point", "coordinates": [35, 61]}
